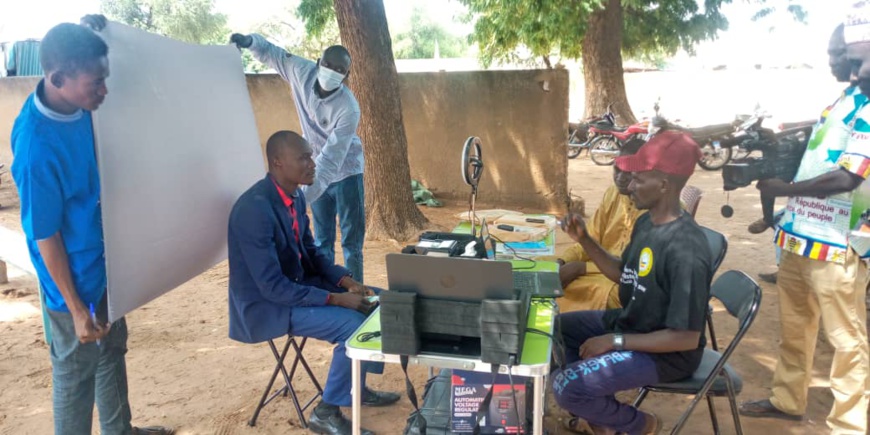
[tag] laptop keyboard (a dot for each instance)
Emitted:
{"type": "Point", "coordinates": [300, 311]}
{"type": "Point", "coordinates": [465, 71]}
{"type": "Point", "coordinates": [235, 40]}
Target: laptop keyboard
{"type": "Point", "coordinates": [526, 281]}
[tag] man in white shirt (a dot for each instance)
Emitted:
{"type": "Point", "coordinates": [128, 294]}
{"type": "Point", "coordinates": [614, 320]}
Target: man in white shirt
{"type": "Point", "coordinates": [329, 115]}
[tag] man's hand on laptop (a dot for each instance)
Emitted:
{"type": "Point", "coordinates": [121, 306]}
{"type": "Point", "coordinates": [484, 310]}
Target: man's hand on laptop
{"type": "Point", "coordinates": [354, 301]}
{"type": "Point", "coordinates": [354, 286]}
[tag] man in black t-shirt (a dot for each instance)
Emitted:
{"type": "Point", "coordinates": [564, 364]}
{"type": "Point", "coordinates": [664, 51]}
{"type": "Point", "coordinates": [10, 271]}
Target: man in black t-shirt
{"type": "Point", "coordinates": [664, 284]}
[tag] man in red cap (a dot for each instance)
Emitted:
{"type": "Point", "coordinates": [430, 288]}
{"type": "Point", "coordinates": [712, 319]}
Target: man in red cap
{"type": "Point", "coordinates": [664, 283]}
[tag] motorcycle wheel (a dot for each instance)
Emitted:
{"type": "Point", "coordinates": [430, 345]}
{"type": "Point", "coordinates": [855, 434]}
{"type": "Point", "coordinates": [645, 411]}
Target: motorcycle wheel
{"type": "Point", "coordinates": [713, 159]}
{"type": "Point", "coordinates": [604, 150]}
{"type": "Point", "coordinates": [574, 151]}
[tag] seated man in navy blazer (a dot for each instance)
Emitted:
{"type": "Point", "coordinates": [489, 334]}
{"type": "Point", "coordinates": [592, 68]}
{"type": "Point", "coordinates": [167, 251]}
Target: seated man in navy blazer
{"type": "Point", "coordinates": [280, 284]}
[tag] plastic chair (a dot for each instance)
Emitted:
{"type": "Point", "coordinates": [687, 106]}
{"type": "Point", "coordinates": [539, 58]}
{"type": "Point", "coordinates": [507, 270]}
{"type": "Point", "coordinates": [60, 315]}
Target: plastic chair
{"type": "Point", "coordinates": [741, 296]}
{"type": "Point", "coordinates": [288, 389]}
{"type": "Point", "coordinates": [691, 198]}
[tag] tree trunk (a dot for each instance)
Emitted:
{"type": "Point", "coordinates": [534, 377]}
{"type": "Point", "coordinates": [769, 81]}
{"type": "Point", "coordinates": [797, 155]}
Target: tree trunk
{"type": "Point", "coordinates": [602, 64]}
{"type": "Point", "coordinates": [390, 209]}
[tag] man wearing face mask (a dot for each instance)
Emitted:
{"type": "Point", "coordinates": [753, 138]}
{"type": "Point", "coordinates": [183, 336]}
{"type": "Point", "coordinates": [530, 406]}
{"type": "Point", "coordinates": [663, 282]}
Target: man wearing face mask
{"type": "Point", "coordinates": [329, 115]}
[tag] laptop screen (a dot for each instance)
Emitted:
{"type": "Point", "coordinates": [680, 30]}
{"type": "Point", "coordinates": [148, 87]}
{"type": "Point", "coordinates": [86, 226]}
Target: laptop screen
{"type": "Point", "coordinates": [450, 278]}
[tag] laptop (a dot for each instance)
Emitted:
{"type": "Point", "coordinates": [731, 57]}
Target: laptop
{"type": "Point", "coordinates": [466, 279]}
{"type": "Point", "coordinates": [450, 278]}
{"type": "Point", "coordinates": [538, 284]}
{"type": "Point", "coordinates": [453, 279]}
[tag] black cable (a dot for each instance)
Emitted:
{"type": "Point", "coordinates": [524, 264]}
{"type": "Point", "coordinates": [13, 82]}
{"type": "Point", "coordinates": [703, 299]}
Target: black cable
{"type": "Point", "coordinates": [368, 336]}
{"type": "Point", "coordinates": [539, 332]}
{"type": "Point", "coordinates": [560, 343]}
{"type": "Point", "coordinates": [517, 256]}
{"type": "Point", "coordinates": [521, 427]}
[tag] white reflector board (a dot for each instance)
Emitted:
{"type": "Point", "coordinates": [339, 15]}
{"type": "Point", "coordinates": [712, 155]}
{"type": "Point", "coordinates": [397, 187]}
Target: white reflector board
{"type": "Point", "coordinates": [177, 145]}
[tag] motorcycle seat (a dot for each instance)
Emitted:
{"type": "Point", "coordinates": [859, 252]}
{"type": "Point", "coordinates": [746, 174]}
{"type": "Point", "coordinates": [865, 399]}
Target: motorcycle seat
{"type": "Point", "coordinates": [608, 127]}
{"type": "Point", "coordinates": [710, 130]}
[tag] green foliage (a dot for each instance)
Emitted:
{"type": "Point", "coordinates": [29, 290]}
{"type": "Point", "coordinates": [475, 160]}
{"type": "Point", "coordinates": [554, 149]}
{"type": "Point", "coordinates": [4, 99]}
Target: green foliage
{"type": "Point", "coordinates": [193, 21]}
{"type": "Point", "coordinates": [774, 8]}
{"type": "Point", "coordinates": [318, 15]}
{"type": "Point", "coordinates": [416, 43]}
{"type": "Point", "coordinates": [667, 26]}
{"type": "Point", "coordinates": [290, 31]}
{"type": "Point", "coordinates": [651, 28]}
{"type": "Point", "coordinates": [542, 27]}
{"type": "Point", "coordinates": [419, 42]}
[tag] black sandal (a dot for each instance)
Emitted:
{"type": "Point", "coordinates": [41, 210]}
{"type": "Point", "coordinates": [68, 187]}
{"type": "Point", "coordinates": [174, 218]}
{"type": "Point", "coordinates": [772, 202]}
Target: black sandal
{"type": "Point", "coordinates": [765, 409]}
{"type": "Point", "coordinates": [573, 425]}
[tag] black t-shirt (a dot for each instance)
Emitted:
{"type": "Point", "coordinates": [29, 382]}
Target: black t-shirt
{"type": "Point", "coordinates": [665, 284]}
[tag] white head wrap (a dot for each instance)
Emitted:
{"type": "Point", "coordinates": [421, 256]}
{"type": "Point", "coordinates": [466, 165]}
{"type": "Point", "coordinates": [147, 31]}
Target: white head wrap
{"type": "Point", "coordinates": [857, 25]}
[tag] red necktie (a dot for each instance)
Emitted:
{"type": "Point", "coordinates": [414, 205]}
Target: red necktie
{"type": "Point", "coordinates": [292, 211]}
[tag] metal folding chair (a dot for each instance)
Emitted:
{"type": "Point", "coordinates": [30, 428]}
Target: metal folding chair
{"type": "Point", "coordinates": [741, 296]}
{"type": "Point", "coordinates": [288, 389]}
{"type": "Point", "coordinates": [718, 247]}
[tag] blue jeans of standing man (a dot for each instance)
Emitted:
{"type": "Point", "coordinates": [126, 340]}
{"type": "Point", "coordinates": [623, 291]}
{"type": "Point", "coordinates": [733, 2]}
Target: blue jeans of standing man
{"type": "Point", "coordinates": [586, 388]}
{"type": "Point", "coordinates": [82, 373]}
{"type": "Point", "coordinates": [346, 198]}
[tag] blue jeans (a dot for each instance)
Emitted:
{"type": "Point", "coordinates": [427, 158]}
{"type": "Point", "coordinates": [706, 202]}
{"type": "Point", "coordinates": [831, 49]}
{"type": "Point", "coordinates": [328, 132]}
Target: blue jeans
{"type": "Point", "coordinates": [586, 388]}
{"type": "Point", "coordinates": [82, 373]}
{"type": "Point", "coordinates": [335, 325]}
{"type": "Point", "coordinates": [347, 199]}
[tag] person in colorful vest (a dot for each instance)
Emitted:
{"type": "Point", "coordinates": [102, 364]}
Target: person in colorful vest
{"type": "Point", "coordinates": [841, 69]}
{"type": "Point", "coordinates": [821, 274]}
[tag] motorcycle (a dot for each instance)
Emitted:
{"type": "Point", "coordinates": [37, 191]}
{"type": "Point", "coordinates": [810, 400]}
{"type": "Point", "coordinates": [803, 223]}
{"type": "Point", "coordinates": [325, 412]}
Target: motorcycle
{"type": "Point", "coordinates": [749, 130]}
{"type": "Point", "coordinates": [710, 138]}
{"type": "Point", "coordinates": [797, 124]}
{"type": "Point", "coordinates": [579, 137]}
{"type": "Point", "coordinates": [608, 140]}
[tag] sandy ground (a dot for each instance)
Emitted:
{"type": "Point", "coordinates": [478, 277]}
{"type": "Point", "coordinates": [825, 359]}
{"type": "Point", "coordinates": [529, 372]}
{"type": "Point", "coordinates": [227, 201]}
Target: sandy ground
{"type": "Point", "coordinates": [185, 372]}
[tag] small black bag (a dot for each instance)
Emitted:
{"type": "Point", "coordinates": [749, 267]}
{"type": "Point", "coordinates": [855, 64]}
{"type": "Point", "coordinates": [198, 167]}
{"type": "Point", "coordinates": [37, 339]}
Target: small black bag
{"type": "Point", "coordinates": [434, 417]}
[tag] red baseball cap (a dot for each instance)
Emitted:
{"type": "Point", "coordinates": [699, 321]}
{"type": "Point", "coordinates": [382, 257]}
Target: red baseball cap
{"type": "Point", "coordinates": [669, 152]}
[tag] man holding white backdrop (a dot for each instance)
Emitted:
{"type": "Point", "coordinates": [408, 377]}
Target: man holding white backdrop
{"type": "Point", "coordinates": [55, 169]}
{"type": "Point", "coordinates": [329, 115]}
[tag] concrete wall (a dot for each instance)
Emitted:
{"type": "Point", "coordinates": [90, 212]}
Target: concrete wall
{"type": "Point", "coordinates": [520, 117]}
{"type": "Point", "coordinates": [13, 92]}
{"type": "Point", "coordinates": [521, 125]}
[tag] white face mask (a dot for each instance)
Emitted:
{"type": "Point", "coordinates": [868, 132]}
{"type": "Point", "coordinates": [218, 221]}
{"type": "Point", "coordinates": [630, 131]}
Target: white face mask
{"type": "Point", "coordinates": [329, 80]}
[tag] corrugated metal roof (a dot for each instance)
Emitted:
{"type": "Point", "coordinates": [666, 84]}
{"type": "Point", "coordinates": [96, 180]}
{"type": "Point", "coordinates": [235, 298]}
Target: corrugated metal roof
{"type": "Point", "coordinates": [24, 58]}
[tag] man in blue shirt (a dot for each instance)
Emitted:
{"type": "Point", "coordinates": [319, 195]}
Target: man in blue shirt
{"type": "Point", "coordinates": [280, 283]}
{"type": "Point", "coordinates": [329, 115]}
{"type": "Point", "coordinates": [55, 169]}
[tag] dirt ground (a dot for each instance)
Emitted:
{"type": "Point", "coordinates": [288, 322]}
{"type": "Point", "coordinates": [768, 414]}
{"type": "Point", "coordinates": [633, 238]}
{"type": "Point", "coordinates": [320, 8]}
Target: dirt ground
{"type": "Point", "coordinates": [184, 371]}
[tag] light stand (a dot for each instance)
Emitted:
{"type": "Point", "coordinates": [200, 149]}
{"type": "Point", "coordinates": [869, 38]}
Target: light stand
{"type": "Point", "coordinates": [472, 169]}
